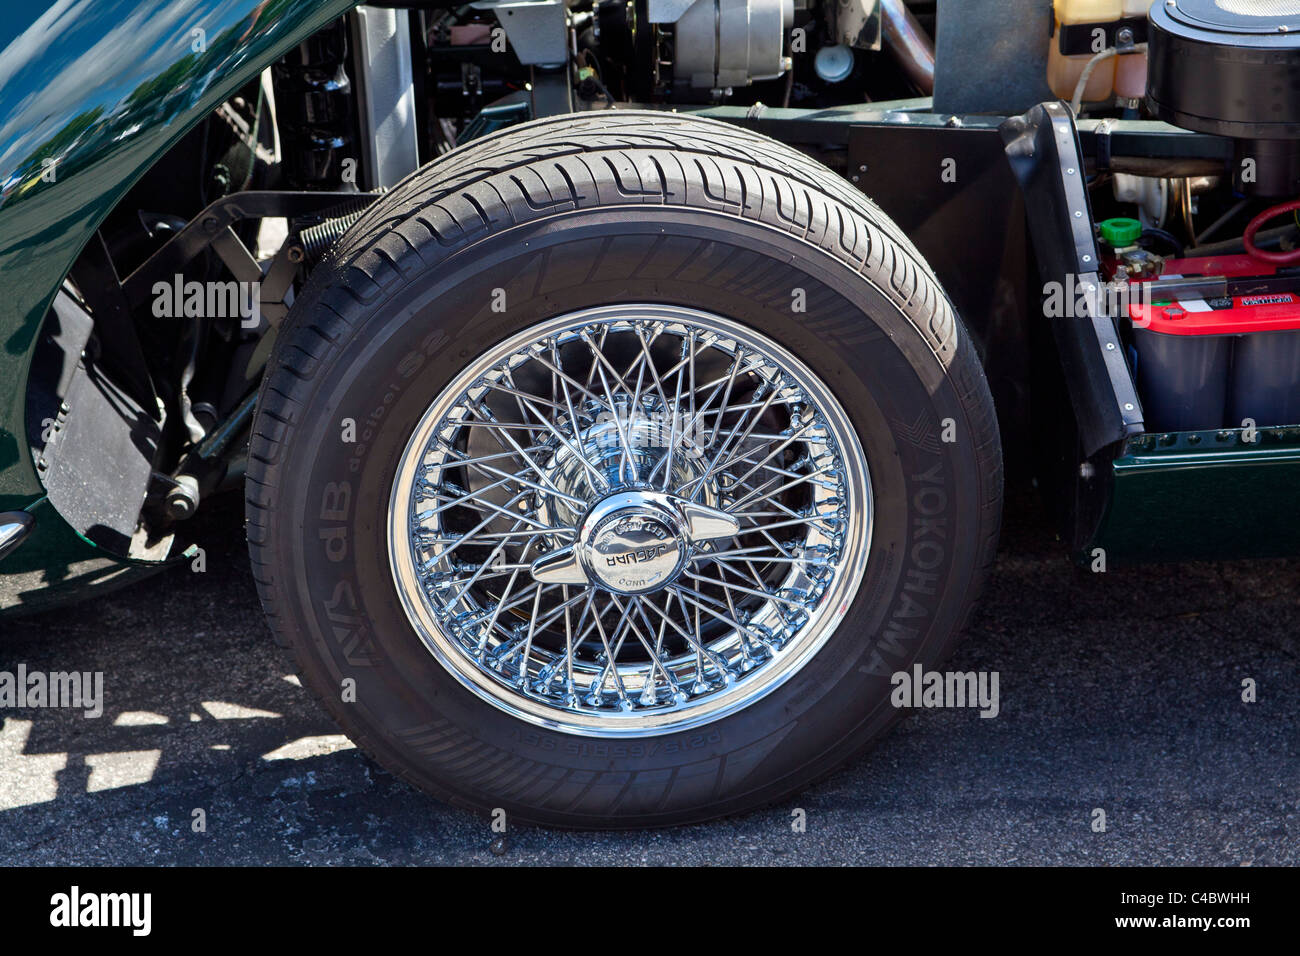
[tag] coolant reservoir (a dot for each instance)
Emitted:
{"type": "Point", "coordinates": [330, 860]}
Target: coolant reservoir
{"type": "Point", "coordinates": [1131, 68]}
{"type": "Point", "coordinates": [1063, 72]}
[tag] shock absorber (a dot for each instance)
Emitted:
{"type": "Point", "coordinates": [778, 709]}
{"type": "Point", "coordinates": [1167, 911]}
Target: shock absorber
{"type": "Point", "coordinates": [314, 98]}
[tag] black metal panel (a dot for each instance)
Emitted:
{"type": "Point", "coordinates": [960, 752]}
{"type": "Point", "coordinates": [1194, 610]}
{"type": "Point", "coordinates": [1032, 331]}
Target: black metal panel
{"type": "Point", "coordinates": [1043, 150]}
{"type": "Point", "coordinates": [949, 188]}
{"type": "Point", "coordinates": [97, 464]}
{"type": "Point", "coordinates": [120, 350]}
{"type": "Point", "coordinates": [1146, 140]}
{"type": "Point", "coordinates": [992, 55]}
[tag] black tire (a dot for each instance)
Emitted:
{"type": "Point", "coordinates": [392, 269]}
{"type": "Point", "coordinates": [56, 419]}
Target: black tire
{"type": "Point", "coordinates": [565, 214]}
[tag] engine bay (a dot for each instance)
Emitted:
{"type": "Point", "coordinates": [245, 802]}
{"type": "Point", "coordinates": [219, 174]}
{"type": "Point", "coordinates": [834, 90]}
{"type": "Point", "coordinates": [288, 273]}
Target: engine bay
{"type": "Point", "coordinates": [1172, 179]}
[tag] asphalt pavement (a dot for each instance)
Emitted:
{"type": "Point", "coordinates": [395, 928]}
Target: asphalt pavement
{"type": "Point", "coordinates": [1120, 692]}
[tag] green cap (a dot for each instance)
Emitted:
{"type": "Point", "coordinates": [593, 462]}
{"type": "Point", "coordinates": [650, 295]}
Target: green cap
{"type": "Point", "coordinates": [1121, 232]}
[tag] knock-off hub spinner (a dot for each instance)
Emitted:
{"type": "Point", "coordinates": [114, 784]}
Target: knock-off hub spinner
{"type": "Point", "coordinates": [635, 541]}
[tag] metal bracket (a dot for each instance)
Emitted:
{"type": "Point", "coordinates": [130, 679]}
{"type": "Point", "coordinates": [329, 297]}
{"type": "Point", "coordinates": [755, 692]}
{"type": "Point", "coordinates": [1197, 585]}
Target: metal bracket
{"type": "Point", "coordinates": [537, 30]}
{"type": "Point", "coordinates": [856, 23]}
{"type": "Point", "coordinates": [1080, 39]}
{"type": "Point", "coordinates": [208, 228]}
{"type": "Point", "coordinates": [279, 280]}
{"type": "Point", "coordinates": [1043, 149]}
{"type": "Point", "coordinates": [120, 346]}
{"type": "Point", "coordinates": [1101, 146]}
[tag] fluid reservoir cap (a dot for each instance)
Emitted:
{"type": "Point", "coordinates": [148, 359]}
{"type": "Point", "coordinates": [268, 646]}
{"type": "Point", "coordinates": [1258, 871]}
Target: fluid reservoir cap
{"type": "Point", "coordinates": [834, 64]}
{"type": "Point", "coordinates": [1120, 232]}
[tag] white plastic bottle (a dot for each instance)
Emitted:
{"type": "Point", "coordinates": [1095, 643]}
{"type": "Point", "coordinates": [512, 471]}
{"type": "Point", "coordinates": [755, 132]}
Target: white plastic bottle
{"type": "Point", "coordinates": [1063, 72]}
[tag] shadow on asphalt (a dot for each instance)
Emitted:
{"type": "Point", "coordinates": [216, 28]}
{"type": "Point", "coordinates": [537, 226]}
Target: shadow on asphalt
{"type": "Point", "coordinates": [1119, 692]}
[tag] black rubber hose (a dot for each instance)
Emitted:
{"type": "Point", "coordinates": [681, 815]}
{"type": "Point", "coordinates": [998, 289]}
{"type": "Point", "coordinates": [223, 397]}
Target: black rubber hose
{"type": "Point", "coordinates": [1265, 239]}
{"type": "Point", "coordinates": [1163, 236]}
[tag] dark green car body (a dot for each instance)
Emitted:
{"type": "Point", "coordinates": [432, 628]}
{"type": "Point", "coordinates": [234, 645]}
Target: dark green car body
{"type": "Point", "coordinates": [90, 98]}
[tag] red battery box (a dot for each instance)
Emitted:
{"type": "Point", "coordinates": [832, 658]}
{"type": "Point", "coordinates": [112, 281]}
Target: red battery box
{"type": "Point", "coordinates": [1218, 343]}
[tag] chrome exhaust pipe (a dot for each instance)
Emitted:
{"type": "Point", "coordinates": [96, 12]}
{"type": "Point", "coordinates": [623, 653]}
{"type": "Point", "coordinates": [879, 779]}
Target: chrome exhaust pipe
{"type": "Point", "coordinates": [909, 44]}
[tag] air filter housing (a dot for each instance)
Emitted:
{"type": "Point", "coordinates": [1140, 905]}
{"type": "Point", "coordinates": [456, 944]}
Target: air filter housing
{"type": "Point", "coordinates": [1230, 67]}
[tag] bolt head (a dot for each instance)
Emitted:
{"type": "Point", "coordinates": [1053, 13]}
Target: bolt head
{"type": "Point", "coordinates": [179, 506]}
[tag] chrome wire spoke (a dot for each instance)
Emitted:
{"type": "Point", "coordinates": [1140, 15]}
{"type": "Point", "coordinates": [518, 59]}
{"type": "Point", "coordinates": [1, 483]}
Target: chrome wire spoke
{"type": "Point", "coordinates": [574, 450]}
{"type": "Point", "coordinates": [499, 430]}
{"type": "Point", "coordinates": [601, 364]}
{"type": "Point", "coordinates": [715, 465]}
{"type": "Point", "coordinates": [583, 389]}
{"type": "Point", "coordinates": [771, 596]}
{"type": "Point", "coordinates": [629, 520]}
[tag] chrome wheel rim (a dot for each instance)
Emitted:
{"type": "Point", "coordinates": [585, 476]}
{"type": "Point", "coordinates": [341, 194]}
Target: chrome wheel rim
{"type": "Point", "coordinates": [630, 520]}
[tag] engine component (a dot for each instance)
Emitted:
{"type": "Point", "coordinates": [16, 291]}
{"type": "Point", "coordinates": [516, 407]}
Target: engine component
{"type": "Point", "coordinates": [1123, 236]}
{"type": "Point", "coordinates": [1163, 200]}
{"type": "Point", "coordinates": [1151, 194]}
{"type": "Point", "coordinates": [834, 64]}
{"type": "Point", "coordinates": [1228, 67]}
{"type": "Point", "coordinates": [855, 23]}
{"type": "Point", "coordinates": [1232, 68]}
{"type": "Point", "coordinates": [314, 99]}
{"type": "Point", "coordinates": [1248, 240]}
{"type": "Point", "coordinates": [1082, 62]}
{"type": "Point", "coordinates": [721, 44]}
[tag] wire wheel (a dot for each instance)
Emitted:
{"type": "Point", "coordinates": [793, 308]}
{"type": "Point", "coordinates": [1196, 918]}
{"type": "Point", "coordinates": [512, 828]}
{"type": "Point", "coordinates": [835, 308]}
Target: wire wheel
{"type": "Point", "coordinates": [630, 520]}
